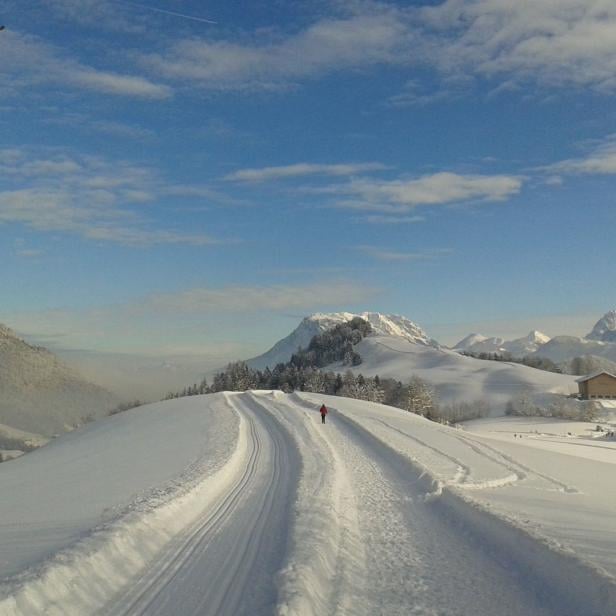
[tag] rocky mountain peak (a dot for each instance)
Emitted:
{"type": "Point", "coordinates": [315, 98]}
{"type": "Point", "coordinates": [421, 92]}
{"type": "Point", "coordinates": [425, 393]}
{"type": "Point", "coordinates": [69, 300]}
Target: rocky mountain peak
{"type": "Point", "coordinates": [605, 328]}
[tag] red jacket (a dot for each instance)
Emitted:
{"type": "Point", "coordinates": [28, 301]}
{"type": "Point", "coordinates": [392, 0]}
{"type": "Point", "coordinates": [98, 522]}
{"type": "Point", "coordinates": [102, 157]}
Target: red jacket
{"type": "Point", "coordinates": [323, 410]}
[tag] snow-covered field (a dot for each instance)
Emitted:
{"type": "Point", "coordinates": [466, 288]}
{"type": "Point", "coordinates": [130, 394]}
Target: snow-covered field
{"type": "Point", "coordinates": [246, 504]}
{"type": "Point", "coordinates": [456, 377]}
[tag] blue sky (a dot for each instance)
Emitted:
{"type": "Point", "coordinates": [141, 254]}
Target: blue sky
{"type": "Point", "coordinates": [173, 186]}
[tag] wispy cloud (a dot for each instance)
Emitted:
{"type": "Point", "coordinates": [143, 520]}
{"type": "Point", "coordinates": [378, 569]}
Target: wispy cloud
{"type": "Point", "coordinates": [264, 174]}
{"type": "Point", "coordinates": [27, 61]}
{"type": "Point", "coordinates": [600, 161]}
{"type": "Point", "coordinates": [382, 254]}
{"type": "Point", "coordinates": [270, 61]}
{"type": "Point", "coordinates": [561, 43]}
{"type": "Point", "coordinates": [185, 315]}
{"type": "Point", "coordinates": [257, 299]}
{"type": "Point", "coordinates": [84, 195]}
{"type": "Point", "coordinates": [402, 195]}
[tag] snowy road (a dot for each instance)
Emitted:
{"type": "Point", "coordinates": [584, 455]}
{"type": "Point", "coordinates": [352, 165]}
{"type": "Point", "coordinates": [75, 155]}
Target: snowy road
{"type": "Point", "coordinates": [298, 518]}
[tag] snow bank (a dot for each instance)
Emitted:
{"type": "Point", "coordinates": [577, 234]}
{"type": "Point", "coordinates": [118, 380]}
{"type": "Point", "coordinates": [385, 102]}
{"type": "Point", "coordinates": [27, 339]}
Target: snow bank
{"type": "Point", "coordinates": [82, 576]}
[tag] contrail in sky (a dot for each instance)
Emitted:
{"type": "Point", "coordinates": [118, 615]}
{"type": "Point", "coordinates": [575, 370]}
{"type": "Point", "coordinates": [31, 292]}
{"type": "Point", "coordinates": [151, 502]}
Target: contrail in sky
{"type": "Point", "coordinates": [157, 10]}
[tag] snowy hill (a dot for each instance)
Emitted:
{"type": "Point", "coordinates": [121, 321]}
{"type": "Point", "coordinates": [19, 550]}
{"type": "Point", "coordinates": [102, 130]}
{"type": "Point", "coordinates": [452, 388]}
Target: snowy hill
{"type": "Point", "coordinates": [383, 325]}
{"type": "Point", "coordinates": [455, 376]}
{"type": "Point", "coordinates": [605, 328]}
{"type": "Point", "coordinates": [40, 394]}
{"type": "Point", "coordinates": [245, 504]}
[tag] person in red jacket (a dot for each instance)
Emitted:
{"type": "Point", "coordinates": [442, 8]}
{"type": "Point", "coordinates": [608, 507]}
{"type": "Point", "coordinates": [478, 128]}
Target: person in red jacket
{"type": "Point", "coordinates": [323, 413]}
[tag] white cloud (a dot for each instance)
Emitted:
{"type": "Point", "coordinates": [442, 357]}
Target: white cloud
{"type": "Point", "coordinates": [555, 42]}
{"type": "Point", "coordinates": [328, 45]}
{"type": "Point", "coordinates": [85, 195]}
{"type": "Point", "coordinates": [559, 43]}
{"type": "Point", "coordinates": [400, 196]}
{"type": "Point", "coordinates": [301, 169]}
{"type": "Point", "coordinates": [600, 161]}
{"type": "Point", "coordinates": [27, 62]}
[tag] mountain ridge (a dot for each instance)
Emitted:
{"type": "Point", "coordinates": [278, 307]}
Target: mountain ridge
{"type": "Point", "coordinates": [40, 393]}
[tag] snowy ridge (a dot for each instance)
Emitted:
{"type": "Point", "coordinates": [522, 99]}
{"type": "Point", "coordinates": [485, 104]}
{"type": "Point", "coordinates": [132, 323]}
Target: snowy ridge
{"type": "Point", "coordinates": [382, 325]}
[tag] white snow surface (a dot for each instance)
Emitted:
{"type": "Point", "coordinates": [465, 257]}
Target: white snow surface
{"type": "Point", "coordinates": [382, 325]}
{"type": "Point", "coordinates": [246, 504]}
{"type": "Point", "coordinates": [455, 376]}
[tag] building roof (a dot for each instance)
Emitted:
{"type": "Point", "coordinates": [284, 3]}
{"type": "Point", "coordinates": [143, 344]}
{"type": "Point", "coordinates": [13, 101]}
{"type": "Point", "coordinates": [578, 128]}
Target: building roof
{"type": "Point", "coordinates": [593, 375]}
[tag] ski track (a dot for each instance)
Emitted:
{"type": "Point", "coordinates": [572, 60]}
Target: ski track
{"type": "Point", "coordinates": [234, 550]}
{"type": "Point", "coordinates": [517, 467]}
{"type": "Point", "coordinates": [418, 563]}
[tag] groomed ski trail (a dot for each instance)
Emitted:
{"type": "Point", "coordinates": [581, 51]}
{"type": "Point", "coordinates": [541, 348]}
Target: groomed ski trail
{"type": "Point", "coordinates": [226, 562]}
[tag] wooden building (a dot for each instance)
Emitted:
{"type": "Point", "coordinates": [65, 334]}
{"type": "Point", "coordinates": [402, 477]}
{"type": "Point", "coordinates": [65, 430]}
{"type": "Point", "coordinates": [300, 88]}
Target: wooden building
{"type": "Point", "coordinates": [600, 385]}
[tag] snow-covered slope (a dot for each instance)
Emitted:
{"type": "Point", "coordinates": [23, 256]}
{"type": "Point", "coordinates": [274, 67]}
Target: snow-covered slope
{"type": "Point", "coordinates": [383, 325]}
{"type": "Point", "coordinates": [605, 328]}
{"type": "Point", "coordinates": [40, 394]}
{"type": "Point", "coordinates": [455, 376]}
{"type": "Point", "coordinates": [246, 504]}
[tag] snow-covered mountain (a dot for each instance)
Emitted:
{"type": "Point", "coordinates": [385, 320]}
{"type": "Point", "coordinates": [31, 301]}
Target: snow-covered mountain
{"type": "Point", "coordinates": [605, 328]}
{"type": "Point", "coordinates": [40, 394]}
{"type": "Point", "coordinates": [563, 348]}
{"type": "Point", "coordinates": [382, 325]}
{"type": "Point", "coordinates": [476, 343]}
{"type": "Point", "coordinates": [467, 343]}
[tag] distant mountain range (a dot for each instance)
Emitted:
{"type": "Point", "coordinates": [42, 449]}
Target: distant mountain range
{"type": "Point", "coordinates": [40, 394]}
{"type": "Point", "coordinates": [599, 346]}
{"type": "Point", "coordinates": [476, 343]}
